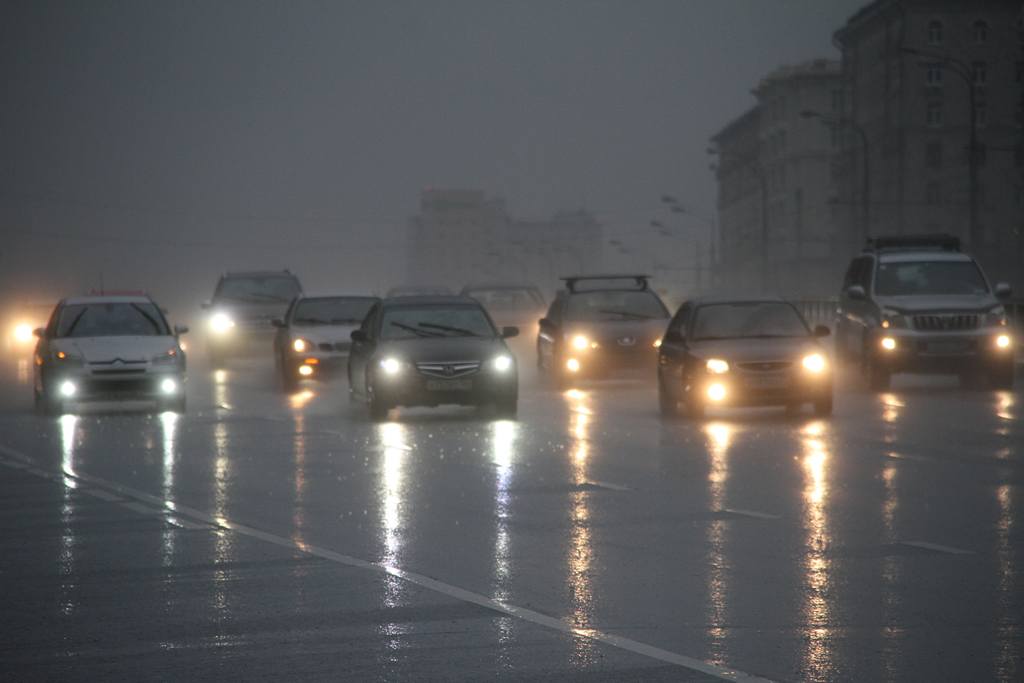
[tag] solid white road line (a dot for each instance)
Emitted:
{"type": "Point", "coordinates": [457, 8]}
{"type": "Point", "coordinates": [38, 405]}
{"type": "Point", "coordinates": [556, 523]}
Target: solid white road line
{"type": "Point", "coordinates": [180, 511]}
{"type": "Point", "coordinates": [751, 513]}
{"type": "Point", "coordinates": [937, 548]}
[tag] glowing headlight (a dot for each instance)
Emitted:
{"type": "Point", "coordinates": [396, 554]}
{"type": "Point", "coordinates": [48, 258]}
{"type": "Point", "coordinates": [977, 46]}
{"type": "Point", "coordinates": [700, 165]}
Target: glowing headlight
{"type": "Point", "coordinates": [300, 345]}
{"type": "Point", "coordinates": [716, 391]}
{"type": "Point", "coordinates": [168, 386]}
{"type": "Point", "coordinates": [814, 363]}
{"type": "Point", "coordinates": [580, 343]}
{"type": "Point", "coordinates": [68, 388]}
{"type": "Point", "coordinates": [1003, 341]}
{"type": "Point", "coordinates": [888, 343]}
{"type": "Point", "coordinates": [305, 370]}
{"type": "Point", "coordinates": [891, 318]}
{"type": "Point", "coordinates": [503, 363]}
{"type": "Point", "coordinates": [572, 365]}
{"type": "Point", "coordinates": [717, 366]}
{"type": "Point", "coordinates": [220, 323]}
{"type": "Point", "coordinates": [996, 317]}
{"type": "Point", "coordinates": [657, 344]}
{"type": "Point", "coordinates": [390, 366]}
{"type": "Point", "coordinates": [22, 333]}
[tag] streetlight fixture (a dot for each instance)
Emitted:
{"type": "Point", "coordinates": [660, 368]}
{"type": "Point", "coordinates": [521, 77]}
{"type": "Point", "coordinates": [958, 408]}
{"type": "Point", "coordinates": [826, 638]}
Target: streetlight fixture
{"type": "Point", "coordinates": [966, 73]}
{"type": "Point", "coordinates": [865, 179]}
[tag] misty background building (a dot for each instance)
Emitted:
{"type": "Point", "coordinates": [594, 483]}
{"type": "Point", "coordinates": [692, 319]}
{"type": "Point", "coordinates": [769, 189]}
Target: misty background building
{"type": "Point", "coordinates": [879, 143]}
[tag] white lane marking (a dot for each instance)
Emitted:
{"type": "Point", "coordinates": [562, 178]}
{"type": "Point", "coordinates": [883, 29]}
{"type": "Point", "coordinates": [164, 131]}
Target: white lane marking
{"type": "Point", "coordinates": [937, 547]}
{"type": "Point", "coordinates": [721, 672]}
{"type": "Point", "coordinates": [186, 524]}
{"type": "Point", "coordinates": [751, 513]}
{"type": "Point", "coordinates": [607, 485]}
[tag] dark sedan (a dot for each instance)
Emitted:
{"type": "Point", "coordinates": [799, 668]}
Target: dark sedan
{"type": "Point", "coordinates": [742, 353]}
{"type": "Point", "coordinates": [431, 351]}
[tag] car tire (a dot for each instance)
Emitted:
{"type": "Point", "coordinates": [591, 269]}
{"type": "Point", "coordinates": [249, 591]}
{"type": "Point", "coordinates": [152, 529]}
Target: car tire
{"type": "Point", "coordinates": [289, 382]}
{"type": "Point", "coordinates": [877, 375]}
{"type": "Point", "coordinates": [823, 406]}
{"type": "Point", "coordinates": [667, 405]}
{"type": "Point", "coordinates": [45, 404]}
{"type": "Point", "coordinates": [507, 408]}
{"type": "Point", "coordinates": [378, 408]}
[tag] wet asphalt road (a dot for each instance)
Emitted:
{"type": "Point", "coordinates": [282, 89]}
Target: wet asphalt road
{"type": "Point", "coordinates": [270, 536]}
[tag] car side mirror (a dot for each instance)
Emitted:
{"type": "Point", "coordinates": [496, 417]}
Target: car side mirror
{"type": "Point", "coordinates": [856, 292]}
{"type": "Point", "coordinates": [180, 330]}
{"type": "Point", "coordinates": [546, 324]}
{"type": "Point", "coordinates": [277, 322]}
{"type": "Point", "coordinates": [1003, 291]}
{"type": "Point", "coordinates": [39, 332]}
{"type": "Point", "coordinates": [821, 331]}
{"type": "Point", "coordinates": [358, 336]}
{"type": "Point", "coordinates": [673, 337]}
{"type": "Point", "coordinates": [509, 332]}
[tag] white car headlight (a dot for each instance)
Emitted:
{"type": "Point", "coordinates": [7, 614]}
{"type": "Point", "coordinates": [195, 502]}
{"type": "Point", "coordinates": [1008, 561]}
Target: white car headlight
{"type": "Point", "coordinates": [391, 366]}
{"type": "Point", "coordinates": [68, 388]}
{"type": "Point", "coordinates": [301, 345]}
{"type": "Point", "coordinates": [814, 363]}
{"type": "Point", "coordinates": [221, 323]}
{"type": "Point", "coordinates": [502, 363]}
{"type": "Point", "coordinates": [168, 386]}
{"type": "Point", "coordinates": [894, 319]}
{"type": "Point", "coordinates": [580, 343]}
{"type": "Point", "coordinates": [717, 366]}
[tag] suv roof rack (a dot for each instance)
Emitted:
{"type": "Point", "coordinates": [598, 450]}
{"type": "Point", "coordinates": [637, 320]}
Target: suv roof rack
{"type": "Point", "coordinates": [639, 281]}
{"type": "Point", "coordinates": [936, 242]}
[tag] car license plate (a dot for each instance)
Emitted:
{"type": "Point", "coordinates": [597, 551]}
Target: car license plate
{"type": "Point", "coordinates": [947, 347]}
{"type": "Point", "coordinates": [449, 384]}
{"type": "Point", "coordinates": [768, 382]}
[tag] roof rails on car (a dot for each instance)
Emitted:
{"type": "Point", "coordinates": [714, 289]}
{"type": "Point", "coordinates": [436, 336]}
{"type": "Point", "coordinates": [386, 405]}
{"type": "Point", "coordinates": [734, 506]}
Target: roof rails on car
{"type": "Point", "coordinates": [640, 282]}
{"type": "Point", "coordinates": [937, 242]}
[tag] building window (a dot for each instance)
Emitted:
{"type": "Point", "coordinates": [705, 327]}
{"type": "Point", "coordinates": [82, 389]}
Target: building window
{"type": "Point", "coordinates": [933, 76]}
{"type": "Point", "coordinates": [933, 116]}
{"type": "Point", "coordinates": [935, 32]}
{"type": "Point", "coordinates": [933, 194]}
{"type": "Point", "coordinates": [980, 31]}
{"type": "Point", "coordinates": [933, 154]}
{"type": "Point", "coordinates": [979, 73]}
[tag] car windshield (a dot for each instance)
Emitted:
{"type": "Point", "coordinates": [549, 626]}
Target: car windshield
{"type": "Point", "coordinates": [614, 305]}
{"type": "Point", "coordinates": [111, 320]}
{"type": "Point", "coordinates": [748, 320]}
{"type": "Point", "coordinates": [508, 298]}
{"type": "Point", "coordinates": [269, 288]}
{"type": "Point", "coordinates": [929, 277]}
{"type": "Point", "coordinates": [416, 290]}
{"type": "Point", "coordinates": [331, 311]}
{"type": "Point", "coordinates": [435, 321]}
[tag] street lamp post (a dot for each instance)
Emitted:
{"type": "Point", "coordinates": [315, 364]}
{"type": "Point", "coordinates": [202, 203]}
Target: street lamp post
{"type": "Point", "coordinates": [865, 171]}
{"type": "Point", "coordinates": [965, 72]}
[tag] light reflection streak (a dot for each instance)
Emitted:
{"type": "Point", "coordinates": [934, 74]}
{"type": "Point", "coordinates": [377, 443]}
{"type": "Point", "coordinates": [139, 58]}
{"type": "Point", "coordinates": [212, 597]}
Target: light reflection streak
{"type": "Point", "coordinates": [581, 599]}
{"type": "Point", "coordinates": [222, 544]}
{"type": "Point", "coordinates": [1004, 411]}
{"type": "Point", "coordinates": [892, 575]}
{"type": "Point", "coordinates": [299, 455]}
{"type": "Point", "coordinates": [168, 426]}
{"type": "Point", "coordinates": [719, 436]}
{"type": "Point", "coordinates": [220, 389]}
{"type": "Point", "coordinates": [891, 407]}
{"type": "Point", "coordinates": [1007, 635]}
{"type": "Point", "coordinates": [817, 564]}
{"type": "Point", "coordinates": [503, 443]}
{"type": "Point", "coordinates": [66, 559]}
{"type": "Point", "coordinates": [394, 439]}
{"type": "Point", "coordinates": [300, 399]}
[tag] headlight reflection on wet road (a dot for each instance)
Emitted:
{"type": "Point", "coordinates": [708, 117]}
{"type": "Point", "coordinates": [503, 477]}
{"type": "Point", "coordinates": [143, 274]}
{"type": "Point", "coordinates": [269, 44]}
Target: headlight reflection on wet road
{"type": "Point", "coordinates": [719, 438]}
{"type": "Point", "coordinates": [817, 660]}
{"type": "Point", "coordinates": [581, 599]}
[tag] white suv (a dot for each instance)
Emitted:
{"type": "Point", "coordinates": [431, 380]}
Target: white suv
{"type": "Point", "coordinates": [108, 347]}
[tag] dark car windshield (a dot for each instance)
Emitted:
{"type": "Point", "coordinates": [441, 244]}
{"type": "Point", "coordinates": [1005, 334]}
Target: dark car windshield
{"type": "Point", "coordinates": [614, 305]}
{"type": "Point", "coordinates": [507, 298]}
{"type": "Point", "coordinates": [417, 290]}
{"type": "Point", "coordinates": [748, 320]}
{"type": "Point", "coordinates": [273, 288]}
{"type": "Point", "coordinates": [111, 320]}
{"type": "Point", "coordinates": [331, 311]}
{"type": "Point", "coordinates": [929, 277]}
{"type": "Point", "coordinates": [435, 321]}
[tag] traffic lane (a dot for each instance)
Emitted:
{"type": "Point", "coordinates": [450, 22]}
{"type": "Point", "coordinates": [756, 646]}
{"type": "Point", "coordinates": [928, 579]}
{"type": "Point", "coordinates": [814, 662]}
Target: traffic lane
{"type": "Point", "coordinates": [109, 587]}
{"type": "Point", "coordinates": [528, 534]}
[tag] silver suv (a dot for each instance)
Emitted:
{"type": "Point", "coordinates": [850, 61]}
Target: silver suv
{"type": "Point", "coordinates": [919, 304]}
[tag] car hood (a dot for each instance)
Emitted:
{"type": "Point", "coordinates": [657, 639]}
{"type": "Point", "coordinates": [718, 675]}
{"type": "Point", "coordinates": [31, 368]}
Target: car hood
{"type": "Point", "coordinates": [448, 349]}
{"type": "Point", "coordinates": [108, 349]}
{"type": "Point", "coordinates": [753, 350]}
{"type": "Point", "coordinates": [609, 332]}
{"type": "Point", "coordinates": [945, 302]}
{"type": "Point", "coordinates": [324, 333]}
{"type": "Point", "coordinates": [244, 310]}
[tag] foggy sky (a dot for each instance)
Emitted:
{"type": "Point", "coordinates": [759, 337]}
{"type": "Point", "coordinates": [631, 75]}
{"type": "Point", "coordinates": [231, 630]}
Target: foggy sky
{"type": "Point", "coordinates": [166, 118]}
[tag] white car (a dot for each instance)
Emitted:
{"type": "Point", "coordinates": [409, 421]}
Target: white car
{"type": "Point", "coordinates": [108, 347]}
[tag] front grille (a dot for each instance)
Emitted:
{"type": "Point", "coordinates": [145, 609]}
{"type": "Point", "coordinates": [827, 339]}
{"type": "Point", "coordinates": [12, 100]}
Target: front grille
{"type": "Point", "coordinates": [119, 372]}
{"type": "Point", "coordinates": [132, 386]}
{"type": "Point", "coordinates": [766, 366]}
{"type": "Point", "coordinates": [116, 361]}
{"type": "Point", "coordinates": [949, 321]}
{"type": "Point", "coordinates": [449, 370]}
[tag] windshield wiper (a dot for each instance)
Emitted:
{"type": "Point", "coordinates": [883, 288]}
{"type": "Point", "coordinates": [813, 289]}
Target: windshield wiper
{"type": "Point", "coordinates": [310, 321]}
{"type": "Point", "coordinates": [71, 327]}
{"type": "Point", "coordinates": [147, 316]}
{"type": "Point", "coordinates": [415, 330]}
{"type": "Point", "coordinates": [626, 314]}
{"type": "Point", "coordinates": [455, 330]}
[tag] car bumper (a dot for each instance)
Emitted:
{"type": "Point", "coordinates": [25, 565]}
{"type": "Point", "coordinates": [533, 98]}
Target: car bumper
{"type": "Point", "coordinates": [908, 351]}
{"type": "Point", "coordinates": [321, 365]}
{"type": "Point", "coordinates": [419, 390]}
{"type": "Point", "coordinates": [595, 365]}
{"type": "Point", "coordinates": [744, 390]}
{"type": "Point", "coordinates": [148, 385]}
